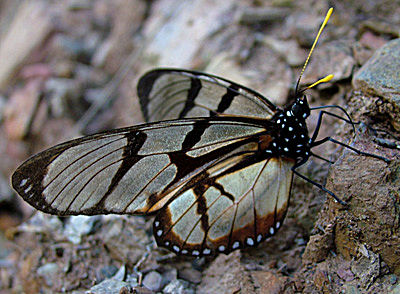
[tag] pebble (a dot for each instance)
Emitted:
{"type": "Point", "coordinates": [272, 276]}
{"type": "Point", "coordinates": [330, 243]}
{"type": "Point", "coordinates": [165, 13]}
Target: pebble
{"type": "Point", "coordinates": [153, 281]}
{"type": "Point", "coordinates": [335, 57]}
{"type": "Point", "coordinates": [191, 275]}
{"type": "Point", "coordinates": [109, 286]}
{"type": "Point", "coordinates": [178, 287]}
{"type": "Point", "coordinates": [106, 272]}
{"type": "Point", "coordinates": [380, 74]}
{"type": "Point", "coordinates": [79, 226]}
{"type": "Point", "coordinates": [288, 49]}
{"type": "Point", "coordinates": [6, 195]}
{"type": "Point", "coordinates": [48, 272]}
{"type": "Point", "coordinates": [30, 26]}
{"type": "Point", "coordinates": [64, 96]}
{"type": "Point", "coordinates": [42, 223]}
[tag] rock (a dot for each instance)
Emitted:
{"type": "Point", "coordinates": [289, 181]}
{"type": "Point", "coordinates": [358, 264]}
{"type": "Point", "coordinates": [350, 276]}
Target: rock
{"type": "Point", "coordinates": [64, 97]}
{"type": "Point", "coordinates": [288, 49]}
{"type": "Point", "coordinates": [163, 46]}
{"type": "Point", "coordinates": [41, 223]}
{"type": "Point", "coordinates": [380, 75]}
{"type": "Point", "coordinates": [303, 26]}
{"type": "Point", "coordinates": [106, 272]}
{"type": "Point", "coordinates": [318, 246]}
{"type": "Point", "coordinates": [345, 274]}
{"type": "Point", "coordinates": [153, 281]}
{"type": "Point", "coordinates": [255, 15]}
{"type": "Point", "coordinates": [20, 109]}
{"type": "Point", "coordinates": [191, 275]}
{"type": "Point", "coordinates": [48, 272]}
{"type": "Point", "coordinates": [335, 57]}
{"type": "Point", "coordinates": [367, 268]}
{"type": "Point", "coordinates": [372, 41]}
{"type": "Point", "coordinates": [178, 287]}
{"type": "Point", "coordinates": [68, 47]}
{"type": "Point", "coordinates": [169, 276]}
{"type": "Point", "coordinates": [268, 282]}
{"type": "Point", "coordinates": [3, 103]}
{"type": "Point", "coordinates": [29, 28]}
{"type": "Point", "coordinates": [79, 4]}
{"type": "Point", "coordinates": [226, 275]}
{"type": "Point", "coordinates": [120, 274]}
{"type": "Point", "coordinates": [395, 290]}
{"type": "Point", "coordinates": [368, 185]}
{"type": "Point", "coordinates": [79, 226]}
{"type": "Point", "coordinates": [109, 286]}
{"type": "Point", "coordinates": [6, 194]}
{"type": "Point", "coordinates": [125, 238]}
{"type": "Point", "coordinates": [112, 53]}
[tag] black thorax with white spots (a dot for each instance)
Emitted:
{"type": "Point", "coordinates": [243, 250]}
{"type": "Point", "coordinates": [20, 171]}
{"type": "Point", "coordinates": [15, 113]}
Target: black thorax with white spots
{"type": "Point", "coordinates": [292, 138]}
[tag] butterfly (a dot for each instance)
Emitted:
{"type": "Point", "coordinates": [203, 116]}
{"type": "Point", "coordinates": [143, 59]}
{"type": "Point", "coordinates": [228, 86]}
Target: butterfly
{"type": "Point", "coordinates": [214, 164]}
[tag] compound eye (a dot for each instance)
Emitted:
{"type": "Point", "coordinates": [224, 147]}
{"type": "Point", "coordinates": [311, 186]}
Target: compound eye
{"type": "Point", "coordinates": [296, 109]}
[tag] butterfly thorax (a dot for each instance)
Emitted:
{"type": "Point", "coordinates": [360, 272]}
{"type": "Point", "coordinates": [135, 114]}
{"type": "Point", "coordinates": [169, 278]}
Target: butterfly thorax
{"type": "Point", "coordinates": [291, 137]}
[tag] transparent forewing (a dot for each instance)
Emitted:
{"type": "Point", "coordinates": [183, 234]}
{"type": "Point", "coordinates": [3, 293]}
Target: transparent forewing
{"type": "Point", "coordinates": [171, 93]}
{"type": "Point", "coordinates": [129, 170]}
{"type": "Point", "coordinates": [236, 203]}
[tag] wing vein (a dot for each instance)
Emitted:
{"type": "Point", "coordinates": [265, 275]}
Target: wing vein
{"type": "Point", "coordinates": [79, 158]}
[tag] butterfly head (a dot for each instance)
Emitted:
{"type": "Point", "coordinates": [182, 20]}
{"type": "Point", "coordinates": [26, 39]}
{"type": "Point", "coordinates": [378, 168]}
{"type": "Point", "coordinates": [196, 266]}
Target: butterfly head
{"type": "Point", "coordinates": [300, 108]}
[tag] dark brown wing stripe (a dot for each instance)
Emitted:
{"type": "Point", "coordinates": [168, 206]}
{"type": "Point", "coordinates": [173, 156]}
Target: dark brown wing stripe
{"type": "Point", "coordinates": [195, 87]}
{"type": "Point", "coordinates": [194, 136]}
{"type": "Point", "coordinates": [226, 100]}
{"type": "Point", "coordinates": [135, 141]}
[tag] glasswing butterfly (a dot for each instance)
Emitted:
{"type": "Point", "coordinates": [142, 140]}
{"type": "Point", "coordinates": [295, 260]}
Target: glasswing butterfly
{"type": "Point", "coordinates": [215, 164]}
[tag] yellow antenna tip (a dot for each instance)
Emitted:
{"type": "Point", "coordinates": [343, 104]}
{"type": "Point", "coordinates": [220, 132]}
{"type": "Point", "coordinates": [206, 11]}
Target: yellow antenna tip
{"type": "Point", "coordinates": [330, 11]}
{"type": "Point", "coordinates": [328, 15]}
{"type": "Point", "coordinates": [323, 80]}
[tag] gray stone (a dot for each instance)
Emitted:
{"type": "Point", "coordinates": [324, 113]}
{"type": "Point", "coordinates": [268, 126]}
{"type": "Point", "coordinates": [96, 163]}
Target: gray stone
{"type": "Point", "coordinates": [120, 274]}
{"type": "Point", "coordinates": [178, 287]}
{"type": "Point", "coordinates": [3, 103]}
{"type": "Point", "coordinates": [191, 275]}
{"type": "Point", "coordinates": [41, 223]}
{"type": "Point", "coordinates": [29, 28]}
{"type": "Point", "coordinates": [109, 286]}
{"type": "Point", "coordinates": [153, 281]}
{"type": "Point", "coordinates": [48, 272]}
{"type": "Point", "coordinates": [106, 272]}
{"type": "Point", "coordinates": [380, 75]}
{"type": "Point", "coordinates": [79, 226]}
{"type": "Point", "coordinates": [6, 195]}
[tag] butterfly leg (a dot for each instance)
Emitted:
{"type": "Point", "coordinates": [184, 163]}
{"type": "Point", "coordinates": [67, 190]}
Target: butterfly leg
{"type": "Point", "coordinates": [319, 122]}
{"type": "Point", "coordinates": [322, 158]}
{"type": "Point", "coordinates": [319, 142]}
{"type": "Point", "coordinates": [315, 142]}
{"type": "Point", "coordinates": [318, 185]}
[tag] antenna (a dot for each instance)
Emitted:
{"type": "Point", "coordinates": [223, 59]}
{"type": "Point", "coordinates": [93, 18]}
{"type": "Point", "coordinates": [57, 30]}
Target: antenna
{"type": "Point", "coordinates": [327, 78]}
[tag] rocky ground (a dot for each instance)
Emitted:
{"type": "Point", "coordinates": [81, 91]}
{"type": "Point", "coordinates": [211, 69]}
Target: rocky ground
{"type": "Point", "coordinates": [69, 68]}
